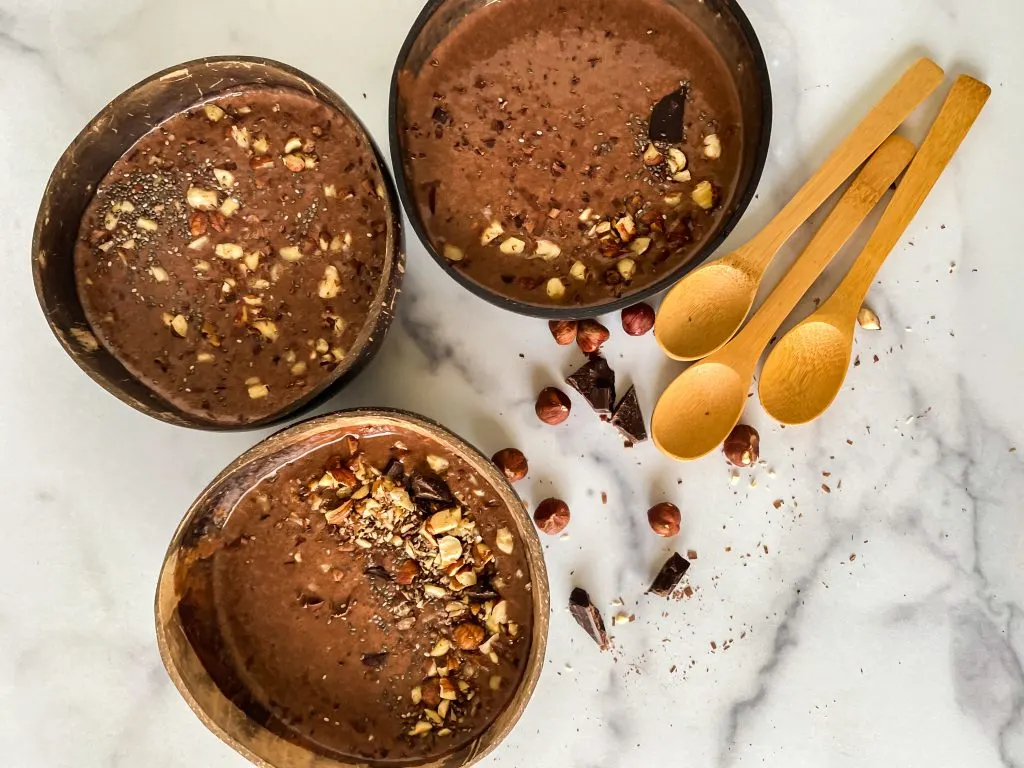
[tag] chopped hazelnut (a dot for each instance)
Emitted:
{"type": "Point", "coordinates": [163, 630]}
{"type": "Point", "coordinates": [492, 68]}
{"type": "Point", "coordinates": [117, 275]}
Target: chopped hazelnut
{"type": "Point", "coordinates": [468, 637]}
{"type": "Point", "coordinates": [453, 252]}
{"type": "Point", "coordinates": [179, 325]}
{"type": "Point", "coordinates": [704, 195]}
{"type": "Point", "coordinates": [201, 199]}
{"type": "Point", "coordinates": [228, 251]}
{"type": "Point", "coordinates": [627, 268]}
{"type": "Point", "coordinates": [868, 320]}
{"type": "Point", "coordinates": [257, 391]}
{"type": "Point", "coordinates": [159, 274]}
{"type": "Point", "coordinates": [626, 228]}
{"type": "Point", "coordinates": [578, 271]}
{"type": "Point", "coordinates": [640, 245]}
{"type": "Point", "coordinates": [290, 253]}
{"type": "Point", "coordinates": [712, 147]}
{"type": "Point", "coordinates": [676, 161]}
{"type": "Point", "coordinates": [547, 250]}
{"type": "Point", "coordinates": [224, 177]}
{"type": "Point", "coordinates": [555, 288]}
{"type": "Point", "coordinates": [503, 541]}
{"type": "Point", "coordinates": [652, 156]}
{"type": "Point", "coordinates": [213, 112]}
{"type": "Point", "coordinates": [491, 232]}
{"type": "Point", "coordinates": [512, 246]}
{"type": "Point", "coordinates": [330, 285]}
{"type": "Point", "coordinates": [267, 329]}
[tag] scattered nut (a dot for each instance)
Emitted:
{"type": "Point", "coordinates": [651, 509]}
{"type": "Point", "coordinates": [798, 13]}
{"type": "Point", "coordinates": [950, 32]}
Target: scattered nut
{"type": "Point", "coordinates": [652, 156]}
{"type": "Point", "coordinates": [551, 516]}
{"type": "Point", "coordinates": [294, 163]}
{"type": "Point", "coordinates": [179, 325]}
{"type": "Point", "coordinates": [553, 406]}
{"type": "Point", "coordinates": [438, 464]}
{"type": "Point", "coordinates": [626, 228]}
{"type": "Point", "coordinates": [453, 252]}
{"type": "Point", "coordinates": [742, 446]}
{"type": "Point", "coordinates": [555, 288]}
{"type": "Point", "coordinates": [637, 319]}
{"type": "Point", "coordinates": [578, 271]}
{"type": "Point", "coordinates": [407, 572]}
{"type": "Point", "coordinates": [868, 320]}
{"type": "Point", "coordinates": [673, 200]}
{"type": "Point", "coordinates": [664, 518]}
{"type": "Point", "coordinates": [704, 195]}
{"type": "Point", "coordinates": [564, 331]}
{"type": "Point", "coordinates": [199, 243]}
{"type": "Point", "coordinates": [503, 541]}
{"type": "Point", "coordinates": [512, 463]}
{"type": "Point", "coordinates": [228, 251]}
{"type": "Point", "coordinates": [260, 145]}
{"type": "Point", "coordinates": [201, 199]}
{"type": "Point", "coordinates": [257, 391]}
{"type": "Point", "coordinates": [204, 357]}
{"type": "Point", "coordinates": [213, 112]}
{"type": "Point", "coordinates": [591, 335]}
{"type": "Point", "coordinates": [676, 161]}
{"type": "Point", "coordinates": [293, 144]}
{"type": "Point", "coordinates": [240, 135]}
{"type": "Point", "coordinates": [712, 147]}
{"type": "Point", "coordinates": [229, 207]}
{"type": "Point", "coordinates": [682, 177]}
{"type": "Point", "coordinates": [267, 329]}
{"type": "Point", "coordinates": [640, 245]}
{"type": "Point", "coordinates": [159, 274]}
{"type": "Point", "coordinates": [224, 178]}
{"type": "Point", "coordinates": [547, 250]}
{"type": "Point", "coordinates": [512, 246]}
{"type": "Point", "coordinates": [441, 647]}
{"type": "Point", "coordinates": [290, 253]}
{"type": "Point", "coordinates": [449, 549]}
{"type": "Point", "coordinates": [468, 636]}
{"type": "Point", "coordinates": [491, 232]}
{"type": "Point", "coordinates": [330, 286]}
{"type": "Point", "coordinates": [147, 225]}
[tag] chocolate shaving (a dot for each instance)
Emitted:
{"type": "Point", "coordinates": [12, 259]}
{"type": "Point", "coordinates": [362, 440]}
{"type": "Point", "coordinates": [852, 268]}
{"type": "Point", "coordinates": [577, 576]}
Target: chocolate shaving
{"type": "Point", "coordinates": [596, 382]}
{"type": "Point", "coordinates": [394, 471]}
{"type": "Point", "coordinates": [589, 617]}
{"type": "Point", "coordinates": [667, 118]}
{"type": "Point", "coordinates": [670, 575]}
{"type": "Point", "coordinates": [429, 489]}
{"type": "Point", "coordinates": [375, 660]}
{"type": "Point", "coordinates": [629, 419]}
{"type": "Point", "coordinates": [377, 572]}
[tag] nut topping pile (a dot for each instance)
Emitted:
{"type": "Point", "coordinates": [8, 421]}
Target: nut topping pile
{"type": "Point", "coordinates": [441, 562]}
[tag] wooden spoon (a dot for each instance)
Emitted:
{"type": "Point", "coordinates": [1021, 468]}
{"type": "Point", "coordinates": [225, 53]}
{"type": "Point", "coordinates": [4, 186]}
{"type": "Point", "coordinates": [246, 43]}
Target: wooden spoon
{"type": "Point", "coordinates": [707, 307]}
{"type": "Point", "coordinates": [697, 411]}
{"type": "Point", "coordinates": [805, 371]}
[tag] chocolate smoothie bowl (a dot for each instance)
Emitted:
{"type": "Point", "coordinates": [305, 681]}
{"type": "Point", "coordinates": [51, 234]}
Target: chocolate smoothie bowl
{"type": "Point", "coordinates": [562, 159]}
{"type": "Point", "coordinates": [363, 588]}
{"type": "Point", "coordinates": [220, 247]}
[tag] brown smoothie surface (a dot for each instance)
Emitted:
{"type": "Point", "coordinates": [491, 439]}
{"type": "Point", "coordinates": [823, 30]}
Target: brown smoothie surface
{"type": "Point", "coordinates": [370, 601]}
{"type": "Point", "coordinates": [527, 141]}
{"type": "Point", "coordinates": [232, 257]}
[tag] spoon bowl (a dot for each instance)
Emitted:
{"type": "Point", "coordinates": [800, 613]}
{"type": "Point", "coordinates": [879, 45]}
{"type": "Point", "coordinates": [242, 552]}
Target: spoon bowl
{"type": "Point", "coordinates": [705, 310]}
{"type": "Point", "coordinates": [805, 371]}
{"type": "Point", "coordinates": [701, 405]}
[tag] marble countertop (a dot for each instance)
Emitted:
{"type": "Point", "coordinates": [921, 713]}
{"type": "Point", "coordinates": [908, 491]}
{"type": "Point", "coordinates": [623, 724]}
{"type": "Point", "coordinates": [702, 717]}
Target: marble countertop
{"type": "Point", "coordinates": [880, 622]}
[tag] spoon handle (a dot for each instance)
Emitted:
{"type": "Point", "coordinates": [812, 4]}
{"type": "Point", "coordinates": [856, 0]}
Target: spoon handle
{"type": "Point", "coordinates": [958, 113]}
{"type": "Point", "coordinates": [853, 207]}
{"type": "Point", "coordinates": [914, 87]}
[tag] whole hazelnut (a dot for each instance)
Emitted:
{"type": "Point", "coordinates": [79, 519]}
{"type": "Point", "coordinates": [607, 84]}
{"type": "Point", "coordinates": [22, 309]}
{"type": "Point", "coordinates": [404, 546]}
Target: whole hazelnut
{"type": "Point", "coordinates": [591, 335]}
{"type": "Point", "coordinates": [637, 319]}
{"type": "Point", "coordinates": [468, 636]}
{"type": "Point", "coordinates": [564, 331]}
{"type": "Point", "coordinates": [512, 462]}
{"type": "Point", "coordinates": [407, 572]}
{"type": "Point", "coordinates": [742, 445]}
{"type": "Point", "coordinates": [551, 516]}
{"type": "Point", "coordinates": [664, 518]}
{"type": "Point", "coordinates": [553, 405]}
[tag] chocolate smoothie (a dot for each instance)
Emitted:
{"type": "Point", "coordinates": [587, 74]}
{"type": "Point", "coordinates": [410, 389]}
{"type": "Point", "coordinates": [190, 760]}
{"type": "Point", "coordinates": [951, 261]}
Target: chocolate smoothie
{"type": "Point", "coordinates": [231, 258]}
{"type": "Point", "coordinates": [369, 601]}
{"type": "Point", "coordinates": [568, 153]}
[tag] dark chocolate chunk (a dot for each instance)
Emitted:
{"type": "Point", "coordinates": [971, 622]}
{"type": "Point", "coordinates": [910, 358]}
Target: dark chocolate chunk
{"type": "Point", "coordinates": [669, 576]}
{"type": "Point", "coordinates": [377, 572]}
{"type": "Point", "coordinates": [429, 489]}
{"type": "Point", "coordinates": [589, 617]}
{"type": "Point", "coordinates": [629, 419]}
{"type": "Point", "coordinates": [667, 118]}
{"type": "Point", "coordinates": [375, 660]}
{"type": "Point", "coordinates": [440, 116]}
{"type": "Point", "coordinates": [596, 382]}
{"type": "Point", "coordinates": [394, 471]}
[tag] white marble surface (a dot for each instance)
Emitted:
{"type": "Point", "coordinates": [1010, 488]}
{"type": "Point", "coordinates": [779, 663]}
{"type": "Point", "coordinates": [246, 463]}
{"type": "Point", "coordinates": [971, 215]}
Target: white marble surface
{"type": "Point", "coordinates": [909, 655]}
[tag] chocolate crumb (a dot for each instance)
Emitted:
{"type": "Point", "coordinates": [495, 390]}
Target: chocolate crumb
{"type": "Point", "coordinates": [667, 118]}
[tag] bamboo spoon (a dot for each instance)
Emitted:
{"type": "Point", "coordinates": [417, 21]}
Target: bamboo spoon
{"type": "Point", "coordinates": [805, 371]}
{"type": "Point", "coordinates": [707, 307]}
{"type": "Point", "coordinates": [697, 411]}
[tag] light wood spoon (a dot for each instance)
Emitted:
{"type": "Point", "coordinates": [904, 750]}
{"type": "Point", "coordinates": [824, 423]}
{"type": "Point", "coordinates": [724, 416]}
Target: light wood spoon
{"type": "Point", "coordinates": [698, 410]}
{"type": "Point", "coordinates": [706, 308]}
{"type": "Point", "coordinates": [805, 371]}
